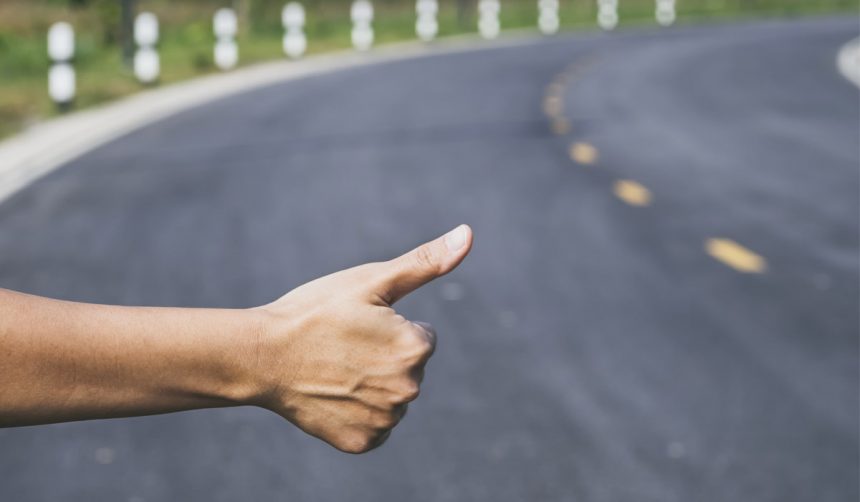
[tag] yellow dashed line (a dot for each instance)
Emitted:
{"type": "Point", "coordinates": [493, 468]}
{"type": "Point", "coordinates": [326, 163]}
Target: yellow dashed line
{"type": "Point", "coordinates": [736, 256]}
{"type": "Point", "coordinates": [632, 193]}
{"type": "Point", "coordinates": [555, 88]}
{"type": "Point", "coordinates": [726, 251]}
{"type": "Point", "coordinates": [583, 153]}
{"type": "Point", "coordinates": [560, 126]}
{"type": "Point", "coordinates": [552, 106]}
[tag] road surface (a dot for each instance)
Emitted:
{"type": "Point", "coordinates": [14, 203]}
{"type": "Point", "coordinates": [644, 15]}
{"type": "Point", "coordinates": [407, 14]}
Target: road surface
{"type": "Point", "coordinates": [661, 304]}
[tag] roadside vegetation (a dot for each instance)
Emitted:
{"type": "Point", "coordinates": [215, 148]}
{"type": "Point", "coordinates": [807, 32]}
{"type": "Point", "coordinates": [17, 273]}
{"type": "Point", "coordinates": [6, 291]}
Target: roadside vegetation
{"type": "Point", "coordinates": [186, 41]}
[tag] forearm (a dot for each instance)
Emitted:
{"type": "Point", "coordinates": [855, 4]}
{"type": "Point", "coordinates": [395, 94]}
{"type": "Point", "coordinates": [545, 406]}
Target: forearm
{"type": "Point", "coordinates": [62, 361]}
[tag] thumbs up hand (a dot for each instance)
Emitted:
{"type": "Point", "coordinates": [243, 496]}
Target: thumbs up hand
{"type": "Point", "coordinates": [338, 361]}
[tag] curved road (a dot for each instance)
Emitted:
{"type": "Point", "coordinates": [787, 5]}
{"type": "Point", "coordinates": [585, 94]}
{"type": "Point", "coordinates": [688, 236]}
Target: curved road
{"type": "Point", "coordinates": [591, 348]}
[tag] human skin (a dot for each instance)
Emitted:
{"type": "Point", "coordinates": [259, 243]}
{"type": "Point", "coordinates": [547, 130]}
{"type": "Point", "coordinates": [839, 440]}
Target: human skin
{"type": "Point", "coordinates": [331, 356]}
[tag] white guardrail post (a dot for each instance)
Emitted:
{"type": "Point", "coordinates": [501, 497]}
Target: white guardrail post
{"type": "Point", "coordinates": [488, 18]}
{"type": "Point", "coordinates": [607, 14]}
{"type": "Point", "coordinates": [665, 12]}
{"type": "Point", "coordinates": [225, 25]}
{"type": "Point", "coordinates": [548, 21]}
{"type": "Point", "coordinates": [361, 13]}
{"type": "Point", "coordinates": [426, 25]}
{"type": "Point", "coordinates": [61, 76]}
{"type": "Point", "coordinates": [293, 19]}
{"type": "Point", "coordinates": [147, 66]}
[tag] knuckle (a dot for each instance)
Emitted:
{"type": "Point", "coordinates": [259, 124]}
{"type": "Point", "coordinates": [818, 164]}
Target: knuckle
{"type": "Point", "coordinates": [410, 392]}
{"type": "Point", "coordinates": [427, 347]}
{"type": "Point", "coordinates": [384, 421]}
{"type": "Point", "coordinates": [355, 443]}
{"type": "Point", "coordinates": [419, 353]}
{"type": "Point", "coordinates": [418, 344]}
{"type": "Point", "coordinates": [408, 335]}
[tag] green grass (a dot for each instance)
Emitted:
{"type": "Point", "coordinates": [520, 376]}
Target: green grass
{"type": "Point", "coordinates": [186, 40]}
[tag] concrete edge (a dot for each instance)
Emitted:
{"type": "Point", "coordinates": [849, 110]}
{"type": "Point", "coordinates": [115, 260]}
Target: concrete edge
{"type": "Point", "coordinates": [41, 149]}
{"type": "Point", "coordinates": [848, 61]}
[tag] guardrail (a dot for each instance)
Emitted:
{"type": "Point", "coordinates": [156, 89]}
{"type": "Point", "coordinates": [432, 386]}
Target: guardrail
{"type": "Point", "coordinates": [146, 64]}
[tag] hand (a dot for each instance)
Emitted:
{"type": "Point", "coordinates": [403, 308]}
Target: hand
{"type": "Point", "coordinates": [338, 361]}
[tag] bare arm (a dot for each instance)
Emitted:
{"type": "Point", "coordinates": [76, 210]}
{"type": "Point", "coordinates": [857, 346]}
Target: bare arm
{"type": "Point", "coordinates": [331, 356]}
{"type": "Point", "coordinates": [66, 361]}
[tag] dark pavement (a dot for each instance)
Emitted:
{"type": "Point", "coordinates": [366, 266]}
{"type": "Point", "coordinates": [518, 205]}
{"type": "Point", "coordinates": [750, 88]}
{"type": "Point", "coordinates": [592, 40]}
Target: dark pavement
{"type": "Point", "coordinates": [589, 350]}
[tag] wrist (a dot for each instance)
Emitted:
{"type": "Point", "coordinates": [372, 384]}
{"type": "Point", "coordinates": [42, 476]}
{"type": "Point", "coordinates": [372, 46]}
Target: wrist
{"type": "Point", "coordinates": [242, 379]}
{"type": "Point", "coordinates": [261, 381]}
{"type": "Point", "coordinates": [272, 328]}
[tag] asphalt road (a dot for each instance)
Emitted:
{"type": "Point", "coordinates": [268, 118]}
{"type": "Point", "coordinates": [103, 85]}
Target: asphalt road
{"type": "Point", "coordinates": [589, 349]}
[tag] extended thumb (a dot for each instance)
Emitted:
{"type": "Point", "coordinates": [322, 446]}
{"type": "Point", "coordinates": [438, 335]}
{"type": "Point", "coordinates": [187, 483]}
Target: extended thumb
{"type": "Point", "coordinates": [425, 263]}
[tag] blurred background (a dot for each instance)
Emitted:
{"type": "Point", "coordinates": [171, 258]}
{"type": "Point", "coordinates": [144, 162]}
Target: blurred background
{"type": "Point", "coordinates": [186, 38]}
{"type": "Point", "coordinates": [662, 299]}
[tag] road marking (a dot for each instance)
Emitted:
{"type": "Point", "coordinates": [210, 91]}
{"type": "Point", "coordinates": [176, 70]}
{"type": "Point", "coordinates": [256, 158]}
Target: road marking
{"type": "Point", "coordinates": [848, 61]}
{"type": "Point", "coordinates": [560, 126]}
{"type": "Point", "coordinates": [583, 153]}
{"type": "Point", "coordinates": [552, 106]}
{"type": "Point", "coordinates": [736, 256]}
{"type": "Point", "coordinates": [555, 88]}
{"type": "Point", "coordinates": [632, 193]}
